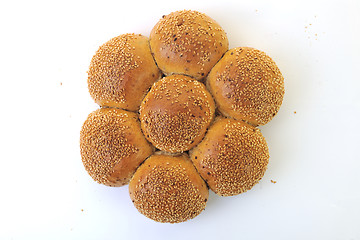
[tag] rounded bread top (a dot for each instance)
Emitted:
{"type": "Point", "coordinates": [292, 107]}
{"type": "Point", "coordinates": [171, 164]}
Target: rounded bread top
{"type": "Point", "coordinates": [176, 113]}
{"type": "Point", "coordinates": [122, 71]}
{"type": "Point", "coordinates": [187, 42]}
{"type": "Point", "coordinates": [247, 85]}
{"type": "Point", "coordinates": [112, 146]}
{"type": "Point", "coordinates": [232, 158]}
{"type": "Point", "coordinates": [168, 188]}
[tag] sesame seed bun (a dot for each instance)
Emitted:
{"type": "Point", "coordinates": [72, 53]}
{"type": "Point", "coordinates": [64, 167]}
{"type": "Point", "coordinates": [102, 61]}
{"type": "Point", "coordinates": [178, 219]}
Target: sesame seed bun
{"type": "Point", "coordinates": [168, 189]}
{"type": "Point", "coordinates": [176, 113]}
{"type": "Point", "coordinates": [187, 42]}
{"type": "Point", "coordinates": [232, 158]}
{"type": "Point", "coordinates": [247, 85]}
{"type": "Point", "coordinates": [112, 146]}
{"type": "Point", "coordinates": [122, 71]}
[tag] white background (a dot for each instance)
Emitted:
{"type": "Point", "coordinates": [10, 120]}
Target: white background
{"type": "Point", "coordinates": [45, 193]}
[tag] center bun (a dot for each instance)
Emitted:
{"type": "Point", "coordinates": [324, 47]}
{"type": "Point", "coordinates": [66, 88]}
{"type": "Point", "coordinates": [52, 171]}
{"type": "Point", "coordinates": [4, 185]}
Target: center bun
{"type": "Point", "coordinates": [176, 113]}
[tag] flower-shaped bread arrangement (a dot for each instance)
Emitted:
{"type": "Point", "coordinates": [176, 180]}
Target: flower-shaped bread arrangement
{"type": "Point", "coordinates": [179, 115]}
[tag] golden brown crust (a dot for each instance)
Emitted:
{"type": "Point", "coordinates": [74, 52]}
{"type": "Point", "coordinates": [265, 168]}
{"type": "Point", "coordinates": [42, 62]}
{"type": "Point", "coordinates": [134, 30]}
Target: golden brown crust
{"type": "Point", "coordinates": [122, 71]}
{"type": "Point", "coordinates": [112, 146]}
{"type": "Point", "coordinates": [232, 158]}
{"type": "Point", "coordinates": [247, 85]}
{"type": "Point", "coordinates": [168, 189]}
{"type": "Point", "coordinates": [176, 113]}
{"type": "Point", "coordinates": [187, 42]}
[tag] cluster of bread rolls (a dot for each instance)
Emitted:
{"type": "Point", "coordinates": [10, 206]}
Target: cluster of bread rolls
{"type": "Point", "coordinates": [178, 115]}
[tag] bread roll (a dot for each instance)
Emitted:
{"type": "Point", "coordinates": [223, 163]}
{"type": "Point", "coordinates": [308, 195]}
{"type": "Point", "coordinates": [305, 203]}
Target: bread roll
{"type": "Point", "coordinates": [122, 71]}
{"type": "Point", "coordinates": [112, 146]}
{"type": "Point", "coordinates": [176, 113]}
{"type": "Point", "coordinates": [168, 189]}
{"type": "Point", "coordinates": [187, 42]}
{"type": "Point", "coordinates": [247, 85]}
{"type": "Point", "coordinates": [232, 158]}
